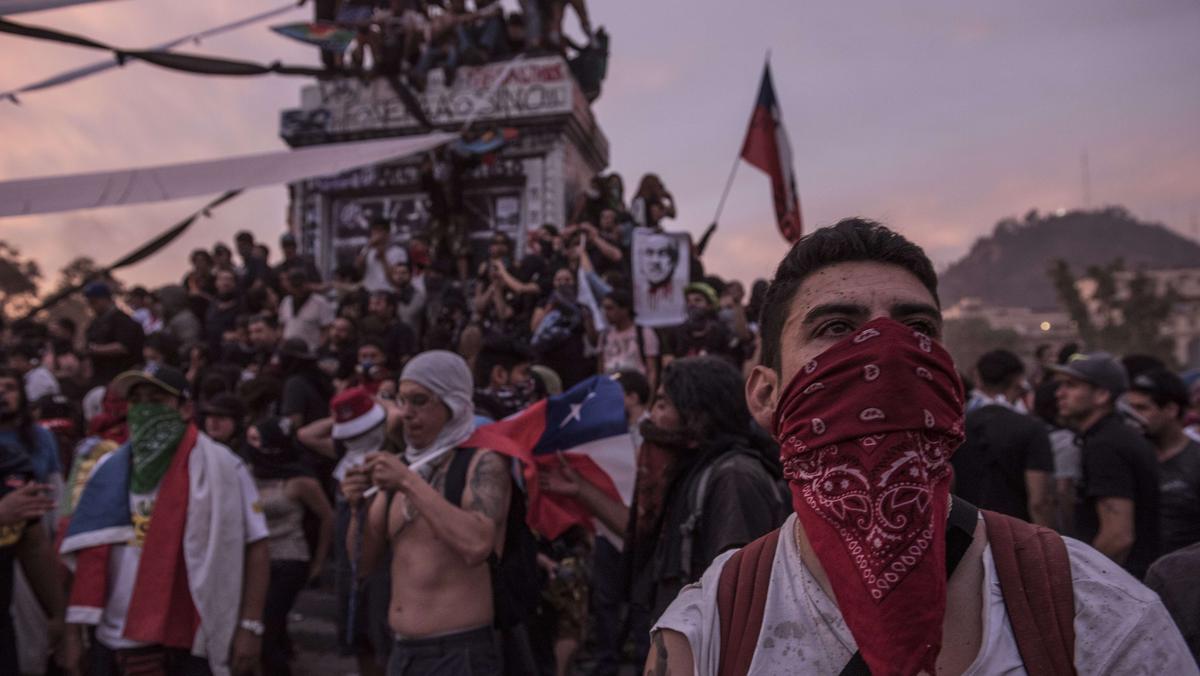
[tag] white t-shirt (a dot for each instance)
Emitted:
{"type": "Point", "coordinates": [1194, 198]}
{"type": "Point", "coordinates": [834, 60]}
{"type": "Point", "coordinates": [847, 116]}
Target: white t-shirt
{"type": "Point", "coordinates": [39, 382]}
{"type": "Point", "coordinates": [620, 348]}
{"type": "Point", "coordinates": [316, 313]}
{"type": "Point", "coordinates": [123, 559]}
{"type": "Point", "coordinates": [375, 276]}
{"type": "Point", "coordinates": [1121, 627]}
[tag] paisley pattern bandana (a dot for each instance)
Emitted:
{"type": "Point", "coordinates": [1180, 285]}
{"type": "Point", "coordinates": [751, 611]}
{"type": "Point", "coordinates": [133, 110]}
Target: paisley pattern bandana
{"type": "Point", "coordinates": [866, 431]}
{"type": "Point", "coordinates": [155, 430]}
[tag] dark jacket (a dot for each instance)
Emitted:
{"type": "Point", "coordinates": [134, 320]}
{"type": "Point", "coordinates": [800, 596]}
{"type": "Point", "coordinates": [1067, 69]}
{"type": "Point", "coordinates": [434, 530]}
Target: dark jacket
{"type": "Point", "coordinates": [743, 498]}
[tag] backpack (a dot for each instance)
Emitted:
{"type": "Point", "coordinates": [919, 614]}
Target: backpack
{"type": "Point", "coordinates": [1031, 564]}
{"type": "Point", "coordinates": [695, 506]}
{"type": "Point", "coordinates": [515, 587]}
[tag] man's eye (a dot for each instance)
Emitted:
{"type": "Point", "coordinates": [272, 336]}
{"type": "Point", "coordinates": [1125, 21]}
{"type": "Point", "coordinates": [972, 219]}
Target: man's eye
{"type": "Point", "coordinates": [835, 327]}
{"type": "Point", "coordinates": [926, 327]}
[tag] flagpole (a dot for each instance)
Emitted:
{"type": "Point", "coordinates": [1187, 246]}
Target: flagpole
{"type": "Point", "coordinates": [728, 184]}
{"type": "Point", "coordinates": [737, 160]}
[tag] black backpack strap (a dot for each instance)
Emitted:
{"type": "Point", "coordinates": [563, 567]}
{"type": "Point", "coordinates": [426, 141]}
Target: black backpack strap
{"type": "Point", "coordinates": [456, 475]}
{"type": "Point", "coordinates": [959, 535]}
{"type": "Point", "coordinates": [696, 499]}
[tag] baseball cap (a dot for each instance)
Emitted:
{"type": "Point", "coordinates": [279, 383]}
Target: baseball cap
{"type": "Point", "coordinates": [287, 238]}
{"type": "Point", "coordinates": [1163, 387]}
{"type": "Point", "coordinates": [224, 405]}
{"type": "Point", "coordinates": [355, 412]}
{"type": "Point", "coordinates": [1099, 369]}
{"type": "Point", "coordinates": [706, 290]}
{"type": "Point", "coordinates": [166, 378]}
{"type": "Point", "coordinates": [97, 290]}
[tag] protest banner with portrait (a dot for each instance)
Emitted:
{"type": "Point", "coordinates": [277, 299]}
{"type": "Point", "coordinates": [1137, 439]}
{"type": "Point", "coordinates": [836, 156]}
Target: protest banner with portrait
{"type": "Point", "coordinates": [661, 264]}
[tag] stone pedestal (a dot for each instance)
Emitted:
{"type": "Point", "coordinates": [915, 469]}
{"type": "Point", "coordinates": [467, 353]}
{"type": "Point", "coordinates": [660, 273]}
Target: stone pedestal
{"type": "Point", "coordinates": [533, 179]}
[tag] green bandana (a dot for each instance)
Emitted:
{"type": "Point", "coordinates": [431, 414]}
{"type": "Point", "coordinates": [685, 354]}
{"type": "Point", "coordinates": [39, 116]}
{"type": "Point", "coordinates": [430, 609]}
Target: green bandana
{"type": "Point", "coordinates": [155, 430]}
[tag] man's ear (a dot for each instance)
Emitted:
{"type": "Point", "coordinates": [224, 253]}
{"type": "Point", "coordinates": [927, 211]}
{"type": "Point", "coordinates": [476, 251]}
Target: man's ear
{"type": "Point", "coordinates": [498, 375]}
{"type": "Point", "coordinates": [762, 395]}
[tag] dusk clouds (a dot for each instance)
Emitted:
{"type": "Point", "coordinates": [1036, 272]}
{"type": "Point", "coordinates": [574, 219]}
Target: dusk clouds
{"type": "Point", "coordinates": [937, 117]}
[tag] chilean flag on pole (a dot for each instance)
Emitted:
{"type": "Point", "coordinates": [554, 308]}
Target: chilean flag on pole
{"type": "Point", "coordinates": [767, 147]}
{"type": "Point", "coordinates": [584, 427]}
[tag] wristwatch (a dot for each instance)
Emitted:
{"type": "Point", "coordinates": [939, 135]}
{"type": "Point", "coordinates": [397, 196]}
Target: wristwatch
{"type": "Point", "coordinates": [253, 626]}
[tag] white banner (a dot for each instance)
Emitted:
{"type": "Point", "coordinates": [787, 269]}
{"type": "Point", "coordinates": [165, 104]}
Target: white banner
{"type": "Point", "coordinates": [661, 265]}
{"type": "Point", "coordinates": [175, 181]}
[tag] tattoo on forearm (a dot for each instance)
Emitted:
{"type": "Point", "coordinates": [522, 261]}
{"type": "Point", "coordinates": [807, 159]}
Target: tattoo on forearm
{"type": "Point", "coordinates": [490, 486]}
{"type": "Point", "coordinates": [660, 666]}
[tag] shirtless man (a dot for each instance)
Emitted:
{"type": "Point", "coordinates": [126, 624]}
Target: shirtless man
{"type": "Point", "coordinates": [441, 601]}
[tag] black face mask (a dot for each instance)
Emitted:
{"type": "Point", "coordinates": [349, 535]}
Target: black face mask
{"type": "Point", "coordinates": [227, 296]}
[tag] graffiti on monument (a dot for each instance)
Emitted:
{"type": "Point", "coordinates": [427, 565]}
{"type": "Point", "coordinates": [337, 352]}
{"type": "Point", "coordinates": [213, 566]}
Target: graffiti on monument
{"type": "Point", "coordinates": [530, 89]}
{"type": "Point", "coordinates": [409, 215]}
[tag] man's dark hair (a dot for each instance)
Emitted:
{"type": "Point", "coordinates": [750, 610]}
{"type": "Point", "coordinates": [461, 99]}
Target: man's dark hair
{"type": "Point", "coordinates": [68, 325]}
{"type": "Point", "coordinates": [851, 239]}
{"type": "Point", "coordinates": [710, 396]}
{"type": "Point", "coordinates": [998, 367]}
{"type": "Point", "coordinates": [386, 295]}
{"type": "Point", "coordinates": [503, 352]}
{"type": "Point", "coordinates": [622, 298]}
{"type": "Point", "coordinates": [1066, 352]}
{"type": "Point", "coordinates": [244, 236]}
{"type": "Point", "coordinates": [1137, 364]}
{"type": "Point", "coordinates": [635, 383]}
{"type": "Point", "coordinates": [25, 424]}
{"type": "Point", "coordinates": [348, 272]}
{"type": "Point", "coordinates": [378, 341]}
{"type": "Point", "coordinates": [379, 223]}
{"type": "Point", "coordinates": [166, 345]}
{"type": "Point", "coordinates": [297, 279]}
{"type": "Point", "coordinates": [1163, 387]}
{"type": "Point", "coordinates": [267, 318]}
{"type": "Point", "coordinates": [1041, 351]}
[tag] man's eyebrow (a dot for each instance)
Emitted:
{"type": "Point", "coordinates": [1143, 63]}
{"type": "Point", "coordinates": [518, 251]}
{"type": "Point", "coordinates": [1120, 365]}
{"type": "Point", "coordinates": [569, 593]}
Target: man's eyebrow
{"type": "Point", "coordinates": [910, 309]}
{"type": "Point", "coordinates": [828, 309]}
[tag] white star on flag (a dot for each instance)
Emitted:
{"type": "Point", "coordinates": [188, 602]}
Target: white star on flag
{"type": "Point", "coordinates": [576, 411]}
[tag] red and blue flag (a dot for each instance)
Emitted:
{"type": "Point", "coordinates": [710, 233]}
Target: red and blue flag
{"type": "Point", "coordinates": [768, 148]}
{"type": "Point", "coordinates": [584, 427]}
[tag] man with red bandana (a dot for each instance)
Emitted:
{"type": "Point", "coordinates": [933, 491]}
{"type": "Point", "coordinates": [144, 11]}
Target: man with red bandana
{"type": "Point", "coordinates": [867, 408]}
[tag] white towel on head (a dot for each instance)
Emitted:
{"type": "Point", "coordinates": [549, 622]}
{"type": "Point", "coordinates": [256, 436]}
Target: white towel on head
{"type": "Point", "coordinates": [447, 375]}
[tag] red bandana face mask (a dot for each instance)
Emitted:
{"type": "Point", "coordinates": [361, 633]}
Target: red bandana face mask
{"type": "Point", "coordinates": [866, 431]}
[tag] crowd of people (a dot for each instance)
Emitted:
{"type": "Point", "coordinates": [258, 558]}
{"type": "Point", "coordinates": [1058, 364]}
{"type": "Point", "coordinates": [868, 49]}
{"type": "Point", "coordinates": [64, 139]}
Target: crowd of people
{"type": "Point", "coordinates": [180, 469]}
{"type": "Point", "coordinates": [412, 37]}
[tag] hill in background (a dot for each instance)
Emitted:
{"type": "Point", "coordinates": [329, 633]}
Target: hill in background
{"type": "Point", "coordinates": [1009, 267]}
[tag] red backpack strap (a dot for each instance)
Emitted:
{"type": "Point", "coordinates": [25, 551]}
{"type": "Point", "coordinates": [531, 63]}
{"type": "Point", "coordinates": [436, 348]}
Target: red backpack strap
{"type": "Point", "coordinates": [741, 599]}
{"type": "Point", "coordinates": [1035, 579]}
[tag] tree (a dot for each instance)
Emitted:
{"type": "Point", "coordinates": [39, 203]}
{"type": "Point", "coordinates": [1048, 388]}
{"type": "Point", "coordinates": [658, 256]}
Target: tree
{"type": "Point", "coordinates": [1121, 320]}
{"type": "Point", "coordinates": [968, 339]}
{"type": "Point", "coordinates": [19, 279]}
{"type": "Point", "coordinates": [67, 303]}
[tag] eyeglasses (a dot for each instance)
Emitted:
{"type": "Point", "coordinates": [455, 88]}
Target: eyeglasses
{"type": "Point", "coordinates": [415, 401]}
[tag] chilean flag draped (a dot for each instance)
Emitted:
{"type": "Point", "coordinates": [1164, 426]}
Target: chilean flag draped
{"type": "Point", "coordinates": [767, 147]}
{"type": "Point", "coordinates": [584, 427]}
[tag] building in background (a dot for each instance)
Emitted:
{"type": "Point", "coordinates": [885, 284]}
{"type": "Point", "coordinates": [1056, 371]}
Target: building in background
{"type": "Point", "coordinates": [1182, 324]}
{"type": "Point", "coordinates": [532, 147]}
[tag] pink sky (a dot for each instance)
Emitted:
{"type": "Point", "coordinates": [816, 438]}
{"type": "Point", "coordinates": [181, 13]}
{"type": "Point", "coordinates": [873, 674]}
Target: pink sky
{"type": "Point", "coordinates": [935, 117]}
